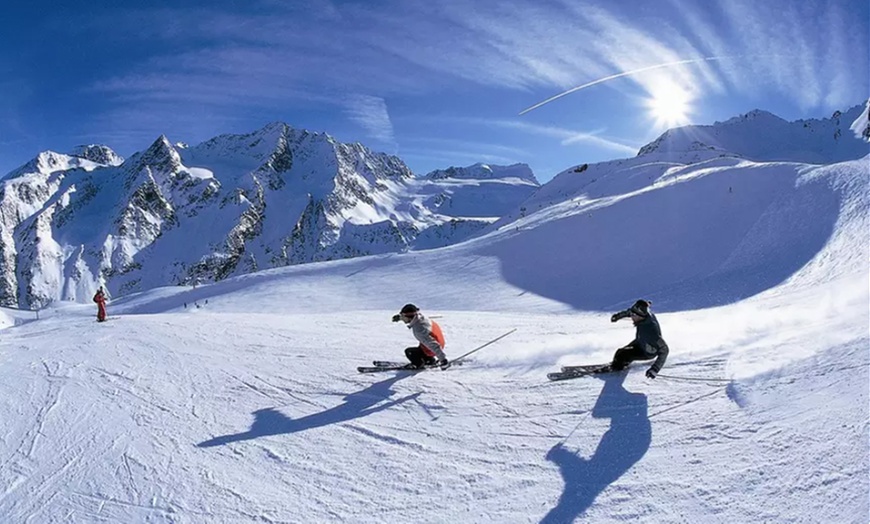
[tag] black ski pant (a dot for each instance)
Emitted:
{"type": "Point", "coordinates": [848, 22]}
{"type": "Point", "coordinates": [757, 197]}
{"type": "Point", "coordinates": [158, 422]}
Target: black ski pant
{"type": "Point", "coordinates": [628, 354]}
{"type": "Point", "coordinates": [418, 358]}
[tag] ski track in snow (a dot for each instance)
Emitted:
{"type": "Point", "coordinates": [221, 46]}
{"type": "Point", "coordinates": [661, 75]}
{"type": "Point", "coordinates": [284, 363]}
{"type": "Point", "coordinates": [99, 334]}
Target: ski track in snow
{"type": "Point", "coordinates": [496, 443]}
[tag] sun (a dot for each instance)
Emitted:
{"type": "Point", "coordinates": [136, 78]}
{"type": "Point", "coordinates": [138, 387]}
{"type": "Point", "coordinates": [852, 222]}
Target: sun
{"type": "Point", "coordinates": [670, 106]}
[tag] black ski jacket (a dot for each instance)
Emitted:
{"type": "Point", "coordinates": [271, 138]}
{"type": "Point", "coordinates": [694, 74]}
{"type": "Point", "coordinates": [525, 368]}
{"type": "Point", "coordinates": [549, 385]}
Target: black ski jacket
{"type": "Point", "coordinates": [648, 338]}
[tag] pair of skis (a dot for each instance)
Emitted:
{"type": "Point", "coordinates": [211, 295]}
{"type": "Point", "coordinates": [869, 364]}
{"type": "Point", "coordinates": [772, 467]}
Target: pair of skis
{"type": "Point", "coordinates": [382, 365]}
{"type": "Point", "coordinates": [385, 365]}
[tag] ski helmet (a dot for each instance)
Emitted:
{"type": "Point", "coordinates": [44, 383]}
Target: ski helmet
{"type": "Point", "coordinates": [409, 309]}
{"type": "Point", "coordinates": [641, 308]}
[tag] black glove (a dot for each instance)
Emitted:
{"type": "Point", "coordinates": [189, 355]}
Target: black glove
{"type": "Point", "coordinates": [444, 363]}
{"type": "Point", "coordinates": [397, 317]}
{"type": "Point", "coordinates": [614, 317]}
{"type": "Point", "coordinates": [651, 373]}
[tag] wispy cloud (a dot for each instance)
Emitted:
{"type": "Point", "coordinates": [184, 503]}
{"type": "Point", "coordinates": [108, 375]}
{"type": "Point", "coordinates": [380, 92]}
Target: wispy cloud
{"type": "Point", "coordinates": [467, 145]}
{"type": "Point", "coordinates": [370, 112]}
{"type": "Point", "coordinates": [565, 136]}
{"type": "Point", "coordinates": [201, 68]}
{"type": "Point", "coordinates": [393, 47]}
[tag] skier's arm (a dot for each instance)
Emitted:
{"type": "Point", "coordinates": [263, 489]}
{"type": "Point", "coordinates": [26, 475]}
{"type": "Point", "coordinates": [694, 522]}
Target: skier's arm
{"type": "Point", "coordinates": [620, 315]}
{"type": "Point", "coordinates": [662, 355]}
{"type": "Point", "coordinates": [434, 346]}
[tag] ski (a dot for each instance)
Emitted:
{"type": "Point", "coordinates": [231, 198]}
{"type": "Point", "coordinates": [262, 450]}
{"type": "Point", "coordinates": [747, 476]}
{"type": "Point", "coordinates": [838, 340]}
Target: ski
{"type": "Point", "coordinates": [566, 369]}
{"type": "Point", "coordinates": [578, 371]}
{"type": "Point", "coordinates": [402, 367]}
{"type": "Point", "coordinates": [388, 364]}
{"type": "Point", "coordinates": [385, 365]}
{"type": "Point", "coordinates": [378, 369]}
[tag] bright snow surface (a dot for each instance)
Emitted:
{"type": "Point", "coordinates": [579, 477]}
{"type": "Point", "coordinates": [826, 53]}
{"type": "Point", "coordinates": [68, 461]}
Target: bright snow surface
{"type": "Point", "coordinates": [240, 402]}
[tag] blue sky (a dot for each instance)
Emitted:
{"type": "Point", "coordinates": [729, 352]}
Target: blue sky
{"type": "Point", "coordinates": [436, 83]}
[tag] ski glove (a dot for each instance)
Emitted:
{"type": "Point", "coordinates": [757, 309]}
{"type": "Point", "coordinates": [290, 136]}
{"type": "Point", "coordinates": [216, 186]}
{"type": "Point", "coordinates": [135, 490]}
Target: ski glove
{"type": "Point", "coordinates": [444, 364]}
{"type": "Point", "coordinates": [651, 373]}
{"type": "Point", "coordinates": [397, 317]}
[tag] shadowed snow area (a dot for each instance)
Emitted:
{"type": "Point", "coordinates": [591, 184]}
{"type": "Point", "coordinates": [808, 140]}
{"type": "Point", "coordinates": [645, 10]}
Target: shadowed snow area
{"type": "Point", "coordinates": [240, 402]}
{"type": "Point", "coordinates": [690, 237]}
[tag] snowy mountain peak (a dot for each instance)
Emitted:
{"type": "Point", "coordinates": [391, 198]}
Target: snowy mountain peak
{"type": "Point", "coordinates": [757, 115]}
{"type": "Point", "coordinates": [763, 136]}
{"type": "Point", "coordinates": [97, 153]}
{"type": "Point", "coordinates": [482, 171]}
{"type": "Point", "coordinates": [252, 149]}
{"type": "Point", "coordinates": [49, 162]}
{"type": "Point", "coordinates": [276, 127]}
{"type": "Point", "coordinates": [161, 154]}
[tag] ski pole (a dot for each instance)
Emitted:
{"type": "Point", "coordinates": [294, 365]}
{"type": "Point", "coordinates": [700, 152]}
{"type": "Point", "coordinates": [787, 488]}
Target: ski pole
{"type": "Point", "coordinates": [695, 379]}
{"type": "Point", "coordinates": [479, 348]}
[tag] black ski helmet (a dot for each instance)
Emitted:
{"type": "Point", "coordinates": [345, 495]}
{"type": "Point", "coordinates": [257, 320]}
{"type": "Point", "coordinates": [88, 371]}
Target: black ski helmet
{"type": "Point", "coordinates": [641, 308]}
{"type": "Point", "coordinates": [409, 309]}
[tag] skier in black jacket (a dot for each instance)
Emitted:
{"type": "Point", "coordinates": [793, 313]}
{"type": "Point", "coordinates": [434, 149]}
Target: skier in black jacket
{"type": "Point", "coordinates": [648, 342]}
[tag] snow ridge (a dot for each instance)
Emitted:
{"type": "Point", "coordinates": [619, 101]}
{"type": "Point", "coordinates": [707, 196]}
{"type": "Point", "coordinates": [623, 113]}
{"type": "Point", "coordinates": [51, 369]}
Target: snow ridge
{"type": "Point", "coordinates": [762, 136]}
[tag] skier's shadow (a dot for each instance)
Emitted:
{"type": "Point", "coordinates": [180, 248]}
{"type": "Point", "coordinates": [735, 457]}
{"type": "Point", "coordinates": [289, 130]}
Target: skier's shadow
{"type": "Point", "coordinates": [270, 421]}
{"type": "Point", "coordinates": [621, 446]}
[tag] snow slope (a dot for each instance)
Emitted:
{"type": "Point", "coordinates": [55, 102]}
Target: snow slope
{"type": "Point", "coordinates": [238, 401]}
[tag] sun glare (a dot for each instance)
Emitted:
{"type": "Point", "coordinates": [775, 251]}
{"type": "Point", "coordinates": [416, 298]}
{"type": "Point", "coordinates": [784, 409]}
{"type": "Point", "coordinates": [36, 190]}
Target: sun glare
{"type": "Point", "coordinates": [670, 107]}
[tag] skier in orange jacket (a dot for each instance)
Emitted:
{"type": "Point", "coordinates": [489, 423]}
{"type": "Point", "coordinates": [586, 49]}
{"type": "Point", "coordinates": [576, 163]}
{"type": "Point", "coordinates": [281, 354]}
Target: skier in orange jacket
{"type": "Point", "coordinates": [428, 334]}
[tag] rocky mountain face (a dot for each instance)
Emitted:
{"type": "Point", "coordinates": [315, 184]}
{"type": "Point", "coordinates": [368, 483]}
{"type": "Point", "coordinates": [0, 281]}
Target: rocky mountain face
{"type": "Point", "coordinates": [98, 154]}
{"type": "Point", "coordinates": [861, 125]}
{"type": "Point", "coordinates": [175, 214]}
{"type": "Point", "coordinates": [481, 171]}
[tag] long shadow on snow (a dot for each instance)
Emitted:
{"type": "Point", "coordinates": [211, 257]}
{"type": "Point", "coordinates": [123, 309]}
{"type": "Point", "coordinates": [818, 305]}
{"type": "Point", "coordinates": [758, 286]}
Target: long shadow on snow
{"type": "Point", "coordinates": [270, 421]}
{"type": "Point", "coordinates": [621, 446]}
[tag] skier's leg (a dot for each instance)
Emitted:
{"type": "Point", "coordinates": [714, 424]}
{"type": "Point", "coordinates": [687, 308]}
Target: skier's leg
{"type": "Point", "coordinates": [429, 358]}
{"type": "Point", "coordinates": [625, 355]}
{"type": "Point", "coordinates": [415, 355]}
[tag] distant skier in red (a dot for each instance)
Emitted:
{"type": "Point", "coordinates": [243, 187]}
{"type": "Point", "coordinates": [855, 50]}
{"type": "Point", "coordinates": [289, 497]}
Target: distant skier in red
{"type": "Point", "coordinates": [100, 299]}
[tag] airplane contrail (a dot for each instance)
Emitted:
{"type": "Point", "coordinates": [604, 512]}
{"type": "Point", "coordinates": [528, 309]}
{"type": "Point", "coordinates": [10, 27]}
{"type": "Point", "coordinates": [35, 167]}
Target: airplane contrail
{"type": "Point", "coordinates": [618, 75]}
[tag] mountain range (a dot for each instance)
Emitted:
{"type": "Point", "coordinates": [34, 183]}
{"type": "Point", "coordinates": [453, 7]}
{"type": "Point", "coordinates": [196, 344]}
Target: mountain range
{"type": "Point", "coordinates": [235, 204]}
